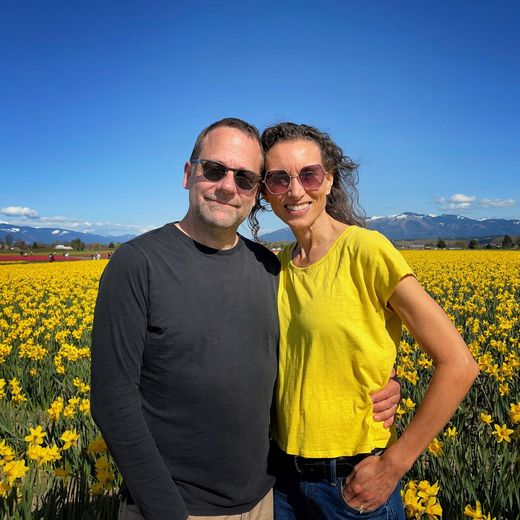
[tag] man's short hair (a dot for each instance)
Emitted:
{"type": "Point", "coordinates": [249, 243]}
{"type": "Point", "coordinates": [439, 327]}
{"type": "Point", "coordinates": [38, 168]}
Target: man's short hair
{"type": "Point", "coordinates": [230, 122]}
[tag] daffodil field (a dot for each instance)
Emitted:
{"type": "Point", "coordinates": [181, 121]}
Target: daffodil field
{"type": "Point", "coordinates": [472, 468]}
{"type": "Point", "coordinates": [54, 464]}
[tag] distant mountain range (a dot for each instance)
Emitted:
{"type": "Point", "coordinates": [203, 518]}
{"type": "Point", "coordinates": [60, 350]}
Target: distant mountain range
{"type": "Point", "coordinates": [414, 226]}
{"type": "Point", "coordinates": [406, 226]}
{"type": "Point", "coordinates": [52, 235]}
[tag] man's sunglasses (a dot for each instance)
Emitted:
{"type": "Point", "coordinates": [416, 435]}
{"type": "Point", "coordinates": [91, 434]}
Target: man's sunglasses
{"type": "Point", "coordinates": [214, 171]}
{"type": "Point", "coordinates": [310, 177]}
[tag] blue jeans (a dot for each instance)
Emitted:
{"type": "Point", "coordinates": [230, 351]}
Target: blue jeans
{"type": "Point", "coordinates": [296, 499]}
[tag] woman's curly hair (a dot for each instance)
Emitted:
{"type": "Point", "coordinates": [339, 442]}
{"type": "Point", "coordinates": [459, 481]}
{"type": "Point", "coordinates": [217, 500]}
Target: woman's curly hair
{"type": "Point", "coordinates": [343, 199]}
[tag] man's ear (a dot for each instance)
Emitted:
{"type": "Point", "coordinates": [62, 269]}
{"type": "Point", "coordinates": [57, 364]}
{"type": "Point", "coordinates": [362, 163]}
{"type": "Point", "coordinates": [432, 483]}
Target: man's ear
{"type": "Point", "coordinates": [187, 174]}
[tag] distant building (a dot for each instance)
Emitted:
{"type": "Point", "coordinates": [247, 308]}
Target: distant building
{"type": "Point", "coordinates": [61, 247]}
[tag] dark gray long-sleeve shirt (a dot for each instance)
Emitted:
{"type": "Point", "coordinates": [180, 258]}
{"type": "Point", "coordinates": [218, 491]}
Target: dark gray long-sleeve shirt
{"type": "Point", "coordinates": [183, 367]}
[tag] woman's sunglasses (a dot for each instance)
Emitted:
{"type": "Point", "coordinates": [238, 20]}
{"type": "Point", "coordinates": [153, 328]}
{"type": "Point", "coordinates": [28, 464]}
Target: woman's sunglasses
{"type": "Point", "coordinates": [310, 177]}
{"type": "Point", "coordinates": [214, 171]}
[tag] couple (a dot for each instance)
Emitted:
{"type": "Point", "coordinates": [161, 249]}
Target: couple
{"type": "Point", "coordinates": [186, 332]}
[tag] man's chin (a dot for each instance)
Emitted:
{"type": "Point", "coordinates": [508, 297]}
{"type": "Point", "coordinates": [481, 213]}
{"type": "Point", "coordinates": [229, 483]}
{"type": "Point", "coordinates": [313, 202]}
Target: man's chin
{"type": "Point", "coordinates": [222, 220]}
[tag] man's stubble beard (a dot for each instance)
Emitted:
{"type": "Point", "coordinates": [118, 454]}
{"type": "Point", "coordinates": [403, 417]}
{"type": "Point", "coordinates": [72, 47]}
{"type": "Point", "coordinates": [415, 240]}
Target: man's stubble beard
{"type": "Point", "coordinates": [220, 221]}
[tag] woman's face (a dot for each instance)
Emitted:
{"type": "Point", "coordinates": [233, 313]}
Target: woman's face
{"type": "Point", "coordinates": [299, 208]}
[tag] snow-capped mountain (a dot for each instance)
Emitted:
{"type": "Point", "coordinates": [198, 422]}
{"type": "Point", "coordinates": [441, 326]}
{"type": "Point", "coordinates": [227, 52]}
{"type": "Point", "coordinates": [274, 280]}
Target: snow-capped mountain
{"type": "Point", "coordinates": [51, 235]}
{"type": "Point", "coordinates": [415, 226]}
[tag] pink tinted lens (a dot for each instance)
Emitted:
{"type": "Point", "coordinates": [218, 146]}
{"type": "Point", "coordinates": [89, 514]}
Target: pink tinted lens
{"type": "Point", "coordinates": [311, 177]}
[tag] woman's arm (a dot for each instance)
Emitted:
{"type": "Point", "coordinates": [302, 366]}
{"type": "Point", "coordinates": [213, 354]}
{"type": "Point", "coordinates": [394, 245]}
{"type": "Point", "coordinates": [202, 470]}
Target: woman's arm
{"type": "Point", "coordinates": [373, 480]}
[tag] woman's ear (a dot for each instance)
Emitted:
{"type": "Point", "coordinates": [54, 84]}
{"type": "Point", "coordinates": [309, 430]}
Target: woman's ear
{"type": "Point", "coordinates": [329, 180]}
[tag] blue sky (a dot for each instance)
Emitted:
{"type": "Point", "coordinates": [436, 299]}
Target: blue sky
{"type": "Point", "coordinates": [101, 102]}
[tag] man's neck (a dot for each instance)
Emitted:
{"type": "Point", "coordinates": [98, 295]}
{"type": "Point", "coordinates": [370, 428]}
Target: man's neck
{"type": "Point", "coordinates": [216, 238]}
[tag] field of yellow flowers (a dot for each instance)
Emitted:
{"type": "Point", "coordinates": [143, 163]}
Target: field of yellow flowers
{"type": "Point", "coordinates": [54, 464]}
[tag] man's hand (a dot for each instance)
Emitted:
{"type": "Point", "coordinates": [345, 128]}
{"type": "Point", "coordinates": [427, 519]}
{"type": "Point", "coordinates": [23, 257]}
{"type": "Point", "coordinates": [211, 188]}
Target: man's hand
{"type": "Point", "coordinates": [386, 401]}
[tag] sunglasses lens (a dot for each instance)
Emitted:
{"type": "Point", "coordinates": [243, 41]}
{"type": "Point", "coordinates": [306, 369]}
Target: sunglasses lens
{"type": "Point", "coordinates": [277, 181]}
{"type": "Point", "coordinates": [311, 178]}
{"type": "Point", "coordinates": [246, 180]}
{"type": "Point", "coordinates": [213, 171]}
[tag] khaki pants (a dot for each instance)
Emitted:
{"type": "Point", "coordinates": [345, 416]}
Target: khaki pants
{"type": "Point", "coordinates": [262, 511]}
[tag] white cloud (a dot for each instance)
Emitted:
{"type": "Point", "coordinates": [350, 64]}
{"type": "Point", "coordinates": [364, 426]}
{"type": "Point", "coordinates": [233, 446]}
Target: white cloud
{"type": "Point", "coordinates": [461, 198]}
{"type": "Point", "coordinates": [24, 216]}
{"type": "Point", "coordinates": [457, 205]}
{"type": "Point", "coordinates": [462, 202]}
{"type": "Point", "coordinates": [498, 203]}
{"type": "Point", "coordinates": [86, 226]}
{"type": "Point", "coordinates": [19, 211]}
{"type": "Point", "coordinates": [456, 201]}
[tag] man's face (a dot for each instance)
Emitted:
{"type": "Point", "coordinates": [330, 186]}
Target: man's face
{"type": "Point", "coordinates": [221, 204]}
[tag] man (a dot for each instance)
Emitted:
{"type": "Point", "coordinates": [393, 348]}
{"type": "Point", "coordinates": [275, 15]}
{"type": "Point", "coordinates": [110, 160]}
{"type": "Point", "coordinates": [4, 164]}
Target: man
{"type": "Point", "coordinates": [184, 347]}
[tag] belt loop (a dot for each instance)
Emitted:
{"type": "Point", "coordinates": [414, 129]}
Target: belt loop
{"type": "Point", "coordinates": [333, 471]}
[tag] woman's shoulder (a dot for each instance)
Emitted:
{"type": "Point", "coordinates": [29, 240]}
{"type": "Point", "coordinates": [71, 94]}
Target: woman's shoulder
{"type": "Point", "coordinates": [373, 252]}
{"type": "Point", "coordinates": [362, 240]}
{"type": "Point", "coordinates": [285, 255]}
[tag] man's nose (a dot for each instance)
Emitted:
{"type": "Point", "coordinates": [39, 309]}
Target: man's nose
{"type": "Point", "coordinates": [227, 184]}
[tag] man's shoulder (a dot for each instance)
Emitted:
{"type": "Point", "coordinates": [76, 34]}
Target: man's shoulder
{"type": "Point", "coordinates": [262, 254]}
{"type": "Point", "coordinates": [149, 237]}
{"type": "Point", "coordinates": [144, 247]}
{"type": "Point", "coordinates": [153, 240]}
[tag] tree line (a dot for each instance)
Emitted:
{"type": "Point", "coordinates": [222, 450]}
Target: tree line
{"type": "Point", "coordinates": [500, 242]}
{"type": "Point", "coordinates": [9, 243]}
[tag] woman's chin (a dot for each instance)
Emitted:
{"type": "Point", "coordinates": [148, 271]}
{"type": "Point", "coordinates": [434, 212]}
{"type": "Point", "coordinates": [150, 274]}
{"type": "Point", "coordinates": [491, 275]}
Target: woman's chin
{"type": "Point", "coordinates": [296, 224]}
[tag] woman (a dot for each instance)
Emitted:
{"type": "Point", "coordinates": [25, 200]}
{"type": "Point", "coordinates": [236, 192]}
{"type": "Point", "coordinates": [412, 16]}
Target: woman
{"type": "Point", "coordinates": [344, 292]}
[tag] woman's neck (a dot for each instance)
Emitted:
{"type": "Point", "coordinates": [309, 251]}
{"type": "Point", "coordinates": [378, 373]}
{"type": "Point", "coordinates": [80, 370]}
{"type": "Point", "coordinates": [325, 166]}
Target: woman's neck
{"type": "Point", "coordinates": [316, 240]}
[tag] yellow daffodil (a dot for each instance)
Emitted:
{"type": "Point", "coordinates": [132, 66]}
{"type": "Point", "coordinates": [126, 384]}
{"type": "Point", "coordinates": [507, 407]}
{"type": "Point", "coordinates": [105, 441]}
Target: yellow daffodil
{"type": "Point", "coordinates": [426, 490]}
{"type": "Point", "coordinates": [98, 445]}
{"type": "Point", "coordinates": [62, 472]}
{"type": "Point", "coordinates": [451, 432]}
{"type": "Point", "coordinates": [69, 438]}
{"type": "Point", "coordinates": [514, 413]}
{"type": "Point", "coordinates": [43, 454]}
{"type": "Point", "coordinates": [56, 409]}
{"type": "Point", "coordinates": [408, 403]}
{"type": "Point", "coordinates": [5, 488]}
{"type": "Point", "coordinates": [476, 512]}
{"type": "Point", "coordinates": [96, 488]}
{"type": "Point", "coordinates": [35, 436]}
{"type": "Point", "coordinates": [435, 447]}
{"type": "Point", "coordinates": [6, 453]}
{"type": "Point", "coordinates": [15, 469]}
{"type": "Point", "coordinates": [485, 418]}
{"type": "Point", "coordinates": [502, 433]}
{"type": "Point", "coordinates": [84, 406]}
{"type": "Point", "coordinates": [433, 508]}
{"type": "Point", "coordinates": [503, 389]}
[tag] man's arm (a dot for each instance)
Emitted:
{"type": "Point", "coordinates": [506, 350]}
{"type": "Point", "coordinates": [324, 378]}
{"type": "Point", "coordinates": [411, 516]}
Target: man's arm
{"type": "Point", "coordinates": [118, 338]}
{"type": "Point", "coordinates": [386, 401]}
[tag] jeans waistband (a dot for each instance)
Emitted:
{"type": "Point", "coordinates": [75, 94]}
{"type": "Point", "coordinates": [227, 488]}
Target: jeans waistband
{"type": "Point", "coordinates": [320, 468]}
